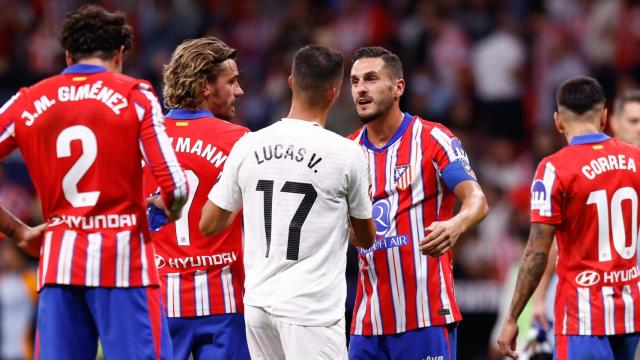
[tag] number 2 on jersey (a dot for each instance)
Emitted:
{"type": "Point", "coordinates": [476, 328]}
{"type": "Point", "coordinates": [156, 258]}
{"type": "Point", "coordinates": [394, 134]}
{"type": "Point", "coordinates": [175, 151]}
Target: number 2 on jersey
{"type": "Point", "coordinates": [616, 227]}
{"type": "Point", "coordinates": [80, 167]}
{"type": "Point", "coordinates": [295, 227]}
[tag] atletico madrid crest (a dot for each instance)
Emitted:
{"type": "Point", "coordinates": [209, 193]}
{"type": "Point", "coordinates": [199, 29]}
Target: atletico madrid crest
{"type": "Point", "coordinates": [404, 175]}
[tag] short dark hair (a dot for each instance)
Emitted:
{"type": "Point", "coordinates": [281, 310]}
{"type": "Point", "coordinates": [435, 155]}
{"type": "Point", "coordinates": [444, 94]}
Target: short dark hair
{"type": "Point", "coordinates": [391, 60]}
{"type": "Point", "coordinates": [93, 31]}
{"type": "Point", "coordinates": [624, 98]}
{"type": "Point", "coordinates": [580, 94]}
{"type": "Point", "coordinates": [315, 70]}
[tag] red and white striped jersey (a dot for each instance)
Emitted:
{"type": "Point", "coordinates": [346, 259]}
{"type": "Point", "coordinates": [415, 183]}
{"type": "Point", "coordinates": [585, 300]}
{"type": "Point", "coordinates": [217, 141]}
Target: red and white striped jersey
{"type": "Point", "coordinates": [413, 178]}
{"type": "Point", "coordinates": [200, 275]}
{"type": "Point", "coordinates": [83, 135]}
{"type": "Point", "coordinates": [589, 191]}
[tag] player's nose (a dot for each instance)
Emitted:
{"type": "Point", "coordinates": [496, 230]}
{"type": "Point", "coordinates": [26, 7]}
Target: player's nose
{"type": "Point", "coordinates": [238, 91]}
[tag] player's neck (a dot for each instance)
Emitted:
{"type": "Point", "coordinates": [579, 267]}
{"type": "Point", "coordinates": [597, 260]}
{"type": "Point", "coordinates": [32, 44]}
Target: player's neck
{"type": "Point", "coordinates": [109, 64]}
{"type": "Point", "coordinates": [580, 129]}
{"type": "Point", "coordinates": [381, 130]}
{"type": "Point", "coordinates": [306, 113]}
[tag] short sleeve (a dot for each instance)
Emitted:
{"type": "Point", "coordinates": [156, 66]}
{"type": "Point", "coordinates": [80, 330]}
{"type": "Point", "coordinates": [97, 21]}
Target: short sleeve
{"type": "Point", "coordinates": [8, 117]}
{"type": "Point", "coordinates": [546, 195]}
{"type": "Point", "coordinates": [450, 157]}
{"type": "Point", "coordinates": [359, 185]}
{"type": "Point", "coordinates": [226, 193]}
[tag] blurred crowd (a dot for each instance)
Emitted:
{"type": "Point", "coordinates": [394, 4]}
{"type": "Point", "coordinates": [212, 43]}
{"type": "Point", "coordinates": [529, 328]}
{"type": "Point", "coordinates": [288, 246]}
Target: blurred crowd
{"type": "Point", "coordinates": [487, 69]}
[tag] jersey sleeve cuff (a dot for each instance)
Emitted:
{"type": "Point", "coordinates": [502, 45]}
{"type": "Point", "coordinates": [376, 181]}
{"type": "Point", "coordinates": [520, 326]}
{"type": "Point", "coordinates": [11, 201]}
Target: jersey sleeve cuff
{"type": "Point", "coordinates": [455, 173]}
{"type": "Point", "coordinates": [215, 197]}
{"type": "Point", "coordinates": [553, 220]}
{"type": "Point", "coordinates": [361, 215]}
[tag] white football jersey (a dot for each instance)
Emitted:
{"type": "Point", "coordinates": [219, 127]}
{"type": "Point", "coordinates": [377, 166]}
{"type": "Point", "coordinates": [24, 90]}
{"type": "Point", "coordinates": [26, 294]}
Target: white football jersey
{"type": "Point", "coordinates": [297, 184]}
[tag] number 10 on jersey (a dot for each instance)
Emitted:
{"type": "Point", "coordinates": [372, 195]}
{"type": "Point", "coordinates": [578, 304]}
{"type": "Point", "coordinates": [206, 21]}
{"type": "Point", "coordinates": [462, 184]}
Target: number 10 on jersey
{"type": "Point", "coordinates": [615, 227]}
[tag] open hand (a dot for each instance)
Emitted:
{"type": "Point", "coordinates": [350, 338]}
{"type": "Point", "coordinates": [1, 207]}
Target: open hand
{"type": "Point", "coordinates": [441, 237]}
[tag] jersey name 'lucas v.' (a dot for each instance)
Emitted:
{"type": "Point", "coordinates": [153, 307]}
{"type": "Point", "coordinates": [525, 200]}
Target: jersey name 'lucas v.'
{"type": "Point", "coordinates": [286, 152]}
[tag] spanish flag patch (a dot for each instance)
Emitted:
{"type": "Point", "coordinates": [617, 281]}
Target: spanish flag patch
{"type": "Point", "coordinates": [79, 78]}
{"type": "Point", "coordinates": [182, 123]}
{"type": "Point", "coordinates": [597, 147]}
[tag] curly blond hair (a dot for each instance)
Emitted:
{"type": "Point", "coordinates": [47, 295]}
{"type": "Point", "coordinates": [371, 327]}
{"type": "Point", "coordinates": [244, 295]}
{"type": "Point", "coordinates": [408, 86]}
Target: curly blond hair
{"type": "Point", "coordinates": [193, 62]}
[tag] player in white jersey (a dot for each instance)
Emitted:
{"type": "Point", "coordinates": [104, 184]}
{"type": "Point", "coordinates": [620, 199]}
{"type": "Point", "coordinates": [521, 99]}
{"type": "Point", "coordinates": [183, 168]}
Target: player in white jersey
{"type": "Point", "coordinates": [300, 186]}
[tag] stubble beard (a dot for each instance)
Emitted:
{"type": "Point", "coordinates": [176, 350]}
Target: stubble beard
{"type": "Point", "coordinates": [382, 109]}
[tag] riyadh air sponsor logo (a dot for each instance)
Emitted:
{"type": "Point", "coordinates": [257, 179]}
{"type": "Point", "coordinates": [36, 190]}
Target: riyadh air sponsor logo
{"type": "Point", "coordinates": [382, 220]}
{"type": "Point", "coordinates": [382, 217]}
{"type": "Point", "coordinates": [160, 263]}
{"type": "Point", "coordinates": [587, 278]}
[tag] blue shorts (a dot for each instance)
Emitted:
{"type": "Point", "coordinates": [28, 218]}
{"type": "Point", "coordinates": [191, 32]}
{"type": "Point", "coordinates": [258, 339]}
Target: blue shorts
{"type": "Point", "coordinates": [129, 322]}
{"type": "Point", "coordinates": [581, 347]}
{"type": "Point", "coordinates": [209, 337]}
{"type": "Point", "coordinates": [434, 342]}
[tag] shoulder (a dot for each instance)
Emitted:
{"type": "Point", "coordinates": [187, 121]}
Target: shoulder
{"type": "Point", "coordinates": [434, 130]}
{"type": "Point", "coordinates": [355, 136]}
{"type": "Point", "coordinates": [223, 131]}
{"type": "Point", "coordinates": [230, 127]}
{"type": "Point", "coordinates": [128, 80]}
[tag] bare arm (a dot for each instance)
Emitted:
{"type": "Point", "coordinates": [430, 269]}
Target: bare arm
{"type": "Point", "coordinates": [364, 231]}
{"type": "Point", "coordinates": [534, 262]}
{"type": "Point", "coordinates": [443, 235]}
{"type": "Point", "coordinates": [540, 295]}
{"type": "Point", "coordinates": [214, 219]}
{"type": "Point", "coordinates": [27, 238]}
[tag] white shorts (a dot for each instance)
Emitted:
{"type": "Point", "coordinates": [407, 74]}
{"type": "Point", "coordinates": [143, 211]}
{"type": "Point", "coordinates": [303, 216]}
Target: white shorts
{"type": "Point", "coordinates": [271, 338]}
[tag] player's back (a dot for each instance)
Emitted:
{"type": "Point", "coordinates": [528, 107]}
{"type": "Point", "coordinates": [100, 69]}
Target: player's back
{"type": "Point", "coordinates": [202, 275]}
{"type": "Point", "coordinates": [590, 191]}
{"type": "Point", "coordinates": [296, 178]}
{"type": "Point", "coordinates": [80, 134]}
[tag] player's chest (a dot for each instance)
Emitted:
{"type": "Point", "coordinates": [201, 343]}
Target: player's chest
{"type": "Point", "coordinates": [412, 177]}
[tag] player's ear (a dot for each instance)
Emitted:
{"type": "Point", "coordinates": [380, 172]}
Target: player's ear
{"type": "Point", "coordinates": [290, 81]}
{"type": "Point", "coordinates": [613, 121]}
{"type": "Point", "coordinates": [118, 57]}
{"type": "Point", "coordinates": [603, 119]}
{"type": "Point", "coordinates": [333, 93]}
{"type": "Point", "coordinates": [400, 85]}
{"type": "Point", "coordinates": [67, 58]}
{"type": "Point", "coordinates": [206, 91]}
{"type": "Point", "coordinates": [558, 122]}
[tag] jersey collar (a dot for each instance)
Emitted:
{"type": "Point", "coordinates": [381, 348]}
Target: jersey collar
{"type": "Point", "coordinates": [589, 138]}
{"type": "Point", "coordinates": [300, 121]}
{"type": "Point", "coordinates": [184, 114]}
{"type": "Point", "coordinates": [397, 135]}
{"type": "Point", "coordinates": [84, 69]}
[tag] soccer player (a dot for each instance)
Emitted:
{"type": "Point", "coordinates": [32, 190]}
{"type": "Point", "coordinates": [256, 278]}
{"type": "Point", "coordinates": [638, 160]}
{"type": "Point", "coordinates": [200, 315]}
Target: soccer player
{"type": "Point", "coordinates": [405, 306]}
{"type": "Point", "coordinates": [202, 277]}
{"type": "Point", "coordinates": [586, 195]}
{"type": "Point", "coordinates": [300, 186]}
{"type": "Point", "coordinates": [83, 135]}
{"type": "Point", "coordinates": [625, 121]}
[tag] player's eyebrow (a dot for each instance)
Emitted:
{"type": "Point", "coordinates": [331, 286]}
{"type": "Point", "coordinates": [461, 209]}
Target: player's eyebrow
{"type": "Point", "coordinates": [368, 73]}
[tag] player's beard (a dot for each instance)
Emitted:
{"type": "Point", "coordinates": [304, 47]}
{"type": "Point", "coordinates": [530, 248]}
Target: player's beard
{"type": "Point", "coordinates": [232, 110]}
{"type": "Point", "coordinates": [383, 107]}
